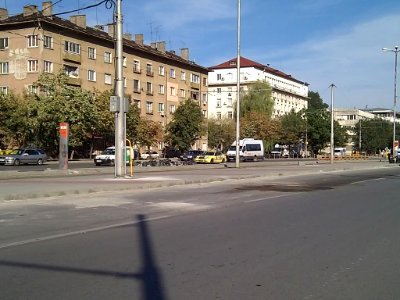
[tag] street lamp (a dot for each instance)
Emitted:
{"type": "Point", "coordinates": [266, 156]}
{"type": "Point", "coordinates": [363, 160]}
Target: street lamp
{"type": "Point", "coordinates": [395, 50]}
{"type": "Point", "coordinates": [332, 86]}
{"type": "Point", "coordinates": [238, 88]}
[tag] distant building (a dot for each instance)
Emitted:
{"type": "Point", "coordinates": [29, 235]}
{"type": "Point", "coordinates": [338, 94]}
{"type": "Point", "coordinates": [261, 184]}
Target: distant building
{"type": "Point", "coordinates": [156, 80]}
{"type": "Point", "coordinates": [288, 93]}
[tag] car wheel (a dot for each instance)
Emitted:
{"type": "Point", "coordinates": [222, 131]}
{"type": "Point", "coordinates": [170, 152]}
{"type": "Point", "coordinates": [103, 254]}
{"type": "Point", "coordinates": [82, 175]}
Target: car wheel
{"type": "Point", "coordinates": [255, 158]}
{"type": "Point", "coordinates": [17, 162]}
{"type": "Point", "coordinates": [40, 161]}
{"type": "Point", "coordinates": [223, 160]}
{"type": "Point", "coordinates": [211, 161]}
{"type": "Point", "coordinates": [112, 162]}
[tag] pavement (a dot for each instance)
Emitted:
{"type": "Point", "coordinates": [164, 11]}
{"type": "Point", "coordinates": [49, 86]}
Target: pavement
{"type": "Point", "coordinates": [17, 185]}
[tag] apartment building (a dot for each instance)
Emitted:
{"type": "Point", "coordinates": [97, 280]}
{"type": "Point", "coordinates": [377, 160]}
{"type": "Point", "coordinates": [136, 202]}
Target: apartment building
{"type": "Point", "coordinates": [287, 92]}
{"type": "Point", "coordinates": [156, 80]}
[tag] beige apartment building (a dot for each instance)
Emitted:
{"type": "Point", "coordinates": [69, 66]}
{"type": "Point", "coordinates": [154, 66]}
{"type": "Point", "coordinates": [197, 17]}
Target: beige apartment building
{"type": "Point", "coordinates": [155, 79]}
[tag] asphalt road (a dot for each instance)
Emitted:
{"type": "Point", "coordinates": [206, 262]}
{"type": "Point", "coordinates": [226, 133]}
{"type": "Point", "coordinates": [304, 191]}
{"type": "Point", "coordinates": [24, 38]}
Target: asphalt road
{"type": "Point", "coordinates": [326, 236]}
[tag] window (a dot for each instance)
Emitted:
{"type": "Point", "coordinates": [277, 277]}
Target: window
{"type": "Point", "coordinates": [107, 57]}
{"type": "Point", "coordinates": [149, 70]}
{"type": "Point", "coordinates": [136, 86]}
{"type": "Point", "coordinates": [137, 103]}
{"type": "Point", "coordinates": [149, 107]}
{"type": "Point", "coordinates": [161, 89]}
{"type": "Point", "coordinates": [172, 73]}
{"type": "Point", "coordinates": [136, 66]}
{"type": "Point", "coordinates": [172, 108]}
{"type": "Point", "coordinates": [149, 88]}
{"type": "Point", "coordinates": [107, 79]}
{"type": "Point", "coordinates": [161, 70]}
{"type": "Point", "coordinates": [160, 107]}
{"type": "Point", "coordinates": [71, 47]}
{"type": "Point", "coordinates": [230, 115]}
{"type": "Point", "coordinates": [32, 65]}
{"type": "Point", "coordinates": [204, 97]}
{"type": "Point", "coordinates": [3, 43]}
{"type": "Point", "coordinates": [91, 53]}
{"type": "Point", "coordinates": [219, 90]}
{"type": "Point", "coordinates": [48, 42]}
{"type": "Point", "coordinates": [219, 102]}
{"type": "Point", "coordinates": [32, 89]}
{"type": "Point", "coordinates": [183, 75]}
{"type": "Point", "coordinates": [125, 82]}
{"type": "Point", "coordinates": [71, 71]}
{"type": "Point", "coordinates": [91, 75]}
{"type": "Point", "coordinates": [218, 115]}
{"type": "Point", "coordinates": [230, 102]}
{"type": "Point", "coordinates": [124, 61]}
{"type": "Point", "coordinates": [4, 67]}
{"type": "Point", "coordinates": [194, 78]}
{"type": "Point", "coordinates": [219, 76]}
{"type": "Point", "coordinates": [182, 93]}
{"type": "Point", "coordinates": [4, 90]}
{"type": "Point", "coordinates": [32, 40]}
{"type": "Point", "coordinates": [172, 91]}
{"type": "Point", "coordinates": [205, 81]}
{"type": "Point", "coordinates": [48, 66]}
{"type": "Point", "coordinates": [204, 113]}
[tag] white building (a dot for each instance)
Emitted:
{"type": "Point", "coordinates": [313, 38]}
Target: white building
{"type": "Point", "coordinates": [287, 92]}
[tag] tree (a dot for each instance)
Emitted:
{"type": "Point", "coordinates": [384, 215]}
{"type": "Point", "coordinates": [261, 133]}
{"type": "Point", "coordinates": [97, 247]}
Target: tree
{"type": "Point", "coordinates": [376, 135]}
{"type": "Point", "coordinates": [148, 133]}
{"type": "Point", "coordinates": [315, 101]}
{"type": "Point", "coordinates": [257, 99]}
{"type": "Point", "coordinates": [221, 133]}
{"type": "Point", "coordinates": [293, 128]}
{"type": "Point", "coordinates": [186, 127]}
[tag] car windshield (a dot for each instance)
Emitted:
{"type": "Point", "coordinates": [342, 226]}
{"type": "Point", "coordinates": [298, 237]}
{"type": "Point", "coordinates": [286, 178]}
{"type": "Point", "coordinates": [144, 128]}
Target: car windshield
{"type": "Point", "coordinates": [209, 153]}
{"type": "Point", "coordinates": [233, 148]}
{"type": "Point", "coordinates": [109, 152]}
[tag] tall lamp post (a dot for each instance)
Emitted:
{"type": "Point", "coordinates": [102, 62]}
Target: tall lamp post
{"type": "Point", "coordinates": [395, 50]}
{"type": "Point", "coordinates": [332, 86]}
{"type": "Point", "coordinates": [238, 89]}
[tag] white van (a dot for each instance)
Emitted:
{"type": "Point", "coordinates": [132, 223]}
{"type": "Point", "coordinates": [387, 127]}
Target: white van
{"type": "Point", "coordinates": [249, 149]}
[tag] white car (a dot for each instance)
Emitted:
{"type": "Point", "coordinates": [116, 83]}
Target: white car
{"type": "Point", "coordinates": [148, 155]}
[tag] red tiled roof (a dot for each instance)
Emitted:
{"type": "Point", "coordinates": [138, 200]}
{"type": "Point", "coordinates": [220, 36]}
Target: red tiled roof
{"type": "Point", "coordinates": [247, 63]}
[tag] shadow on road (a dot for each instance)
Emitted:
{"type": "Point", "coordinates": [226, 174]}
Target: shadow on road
{"type": "Point", "coordinates": [149, 275]}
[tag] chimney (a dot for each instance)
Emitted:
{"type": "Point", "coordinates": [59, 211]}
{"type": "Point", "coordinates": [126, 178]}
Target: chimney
{"type": "Point", "coordinates": [111, 30]}
{"type": "Point", "coordinates": [139, 39]}
{"type": "Point", "coordinates": [153, 45]}
{"type": "Point", "coordinates": [99, 27]}
{"type": "Point", "coordinates": [78, 20]}
{"type": "Point", "coordinates": [185, 53]}
{"type": "Point", "coordinates": [47, 8]}
{"type": "Point", "coordinates": [3, 13]}
{"type": "Point", "coordinates": [30, 10]}
{"type": "Point", "coordinates": [128, 36]}
{"type": "Point", "coordinates": [161, 46]}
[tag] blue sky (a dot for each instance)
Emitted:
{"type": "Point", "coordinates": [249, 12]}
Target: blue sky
{"type": "Point", "coordinates": [317, 41]}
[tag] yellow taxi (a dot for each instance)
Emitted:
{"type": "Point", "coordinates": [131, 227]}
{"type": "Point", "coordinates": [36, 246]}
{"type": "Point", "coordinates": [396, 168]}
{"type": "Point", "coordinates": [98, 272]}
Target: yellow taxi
{"type": "Point", "coordinates": [210, 157]}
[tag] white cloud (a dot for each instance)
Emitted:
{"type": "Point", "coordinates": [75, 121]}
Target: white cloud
{"type": "Point", "coordinates": [352, 59]}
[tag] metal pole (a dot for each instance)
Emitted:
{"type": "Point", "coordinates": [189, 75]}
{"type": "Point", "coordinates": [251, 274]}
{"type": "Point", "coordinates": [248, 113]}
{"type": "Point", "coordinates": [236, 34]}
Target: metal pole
{"type": "Point", "coordinates": [238, 88]}
{"type": "Point", "coordinates": [332, 86]}
{"type": "Point", "coordinates": [359, 141]}
{"type": "Point", "coordinates": [396, 50]}
{"type": "Point", "coordinates": [120, 134]}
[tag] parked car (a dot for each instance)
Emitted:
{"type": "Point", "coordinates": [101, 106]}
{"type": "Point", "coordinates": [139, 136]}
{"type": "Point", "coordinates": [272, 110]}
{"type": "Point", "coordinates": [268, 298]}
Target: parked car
{"type": "Point", "coordinates": [150, 155]}
{"type": "Point", "coordinates": [107, 157]}
{"type": "Point", "coordinates": [24, 156]}
{"type": "Point", "coordinates": [210, 157]}
{"type": "Point", "coordinates": [171, 153]}
{"type": "Point", "coordinates": [191, 155]}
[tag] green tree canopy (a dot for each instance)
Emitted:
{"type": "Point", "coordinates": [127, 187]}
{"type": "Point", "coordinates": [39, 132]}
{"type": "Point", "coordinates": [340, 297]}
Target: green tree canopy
{"type": "Point", "coordinates": [257, 99]}
{"type": "Point", "coordinates": [186, 126]}
{"type": "Point", "coordinates": [376, 135]}
{"type": "Point", "coordinates": [221, 133]}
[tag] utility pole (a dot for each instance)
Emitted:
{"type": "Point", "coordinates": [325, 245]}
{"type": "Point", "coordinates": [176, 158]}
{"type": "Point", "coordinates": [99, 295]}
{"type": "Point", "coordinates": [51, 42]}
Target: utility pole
{"type": "Point", "coordinates": [332, 86]}
{"type": "Point", "coordinates": [359, 141]}
{"type": "Point", "coordinates": [238, 89]}
{"type": "Point", "coordinates": [120, 115]}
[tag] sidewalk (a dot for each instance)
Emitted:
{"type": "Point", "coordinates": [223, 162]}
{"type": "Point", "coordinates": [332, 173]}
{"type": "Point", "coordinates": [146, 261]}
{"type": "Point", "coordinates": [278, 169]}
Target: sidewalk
{"type": "Point", "coordinates": [50, 183]}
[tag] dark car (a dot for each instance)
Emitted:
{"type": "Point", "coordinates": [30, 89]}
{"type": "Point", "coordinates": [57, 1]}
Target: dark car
{"type": "Point", "coordinates": [171, 153]}
{"type": "Point", "coordinates": [24, 156]}
{"type": "Point", "coordinates": [191, 155]}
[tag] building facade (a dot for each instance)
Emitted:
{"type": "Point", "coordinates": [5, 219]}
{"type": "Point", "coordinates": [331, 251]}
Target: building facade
{"type": "Point", "coordinates": [288, 93]}
{"type": "Point", "coordinates": [156, 80]}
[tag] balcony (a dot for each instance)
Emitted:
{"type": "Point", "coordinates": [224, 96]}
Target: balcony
{"type": "Point", "coordinates": [74, 81]}
{"type": "Point", "coordinates": [150, 93]}
{"type": "Point", "coordinates": [76, 58]}
{"type": "Point", "coordinates": [150, 73]}
{"type": "Point", "coordinates": [194, 85]}
{"type": "Point", "coordinates": [137, 70]}
{"type": "Point", "coordinates": [137, 90]}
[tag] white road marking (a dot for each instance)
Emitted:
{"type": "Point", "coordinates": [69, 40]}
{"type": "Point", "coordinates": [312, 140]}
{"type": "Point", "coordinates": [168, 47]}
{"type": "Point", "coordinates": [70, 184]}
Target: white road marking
{"type": "Point", "coordinates": [367, 180]}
